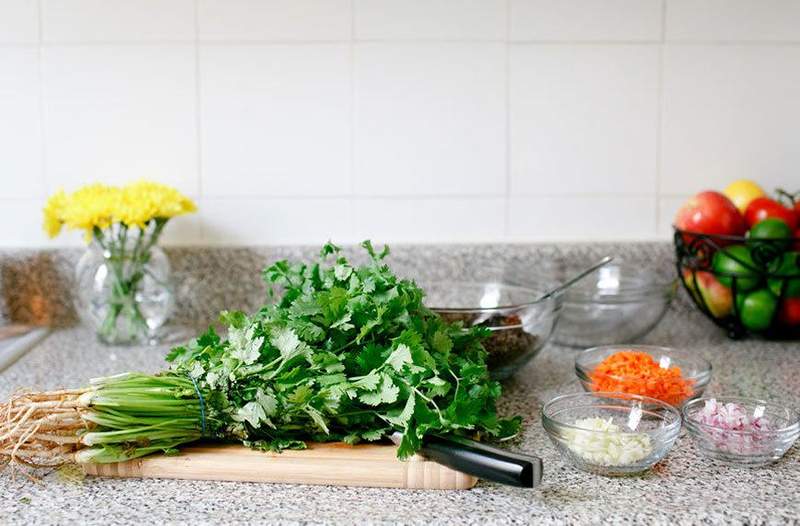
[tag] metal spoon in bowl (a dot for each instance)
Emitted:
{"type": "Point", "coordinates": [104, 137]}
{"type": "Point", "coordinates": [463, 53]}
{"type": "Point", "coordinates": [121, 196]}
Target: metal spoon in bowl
{"type": "Point", "coordinates": [582, 274]}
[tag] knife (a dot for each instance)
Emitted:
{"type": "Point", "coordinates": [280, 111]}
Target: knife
{"type": "Point", "coordinates": [16, 340]}
{"type": "Point", "coordinates": [480, 460]}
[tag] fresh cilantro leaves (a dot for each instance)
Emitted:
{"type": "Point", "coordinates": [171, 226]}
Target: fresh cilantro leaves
{"type": "Point", "coordinates": [346, 353]}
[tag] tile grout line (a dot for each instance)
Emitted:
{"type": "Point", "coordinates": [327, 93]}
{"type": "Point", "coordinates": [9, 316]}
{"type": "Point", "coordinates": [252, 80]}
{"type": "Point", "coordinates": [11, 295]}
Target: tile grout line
{"type": "Point", "coordinates": [442, 197]}
{"type": "Point", "coordinates": [42, 107]}
{"type": "Point", "coordinates": [411, 41]}
{"type": "Point", "coordinates": [352, 200]}
{"type": "Point", "coordinates": [660, 119]}
{"type": "Point", "coordinates": [198, 123]}
{"type": "Point", "coordinates": [420, 42]}
{"type": "Point", "coordinates": [507, 65]}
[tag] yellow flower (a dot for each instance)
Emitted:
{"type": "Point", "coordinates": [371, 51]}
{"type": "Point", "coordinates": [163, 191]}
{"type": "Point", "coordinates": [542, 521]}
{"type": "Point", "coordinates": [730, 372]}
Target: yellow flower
{"type": "Point", "coordinates": [144, 200]}
{"type": "Point", "coordinates": [98, 206]}
{"type": "Point", "coordinates": [91, 206]}
{"type": "Point", "coordinates": [54, 213]}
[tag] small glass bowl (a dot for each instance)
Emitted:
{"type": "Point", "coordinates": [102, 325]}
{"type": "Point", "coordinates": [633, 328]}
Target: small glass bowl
{"type": "Point", "coordinates": [694, 369]}
{"type": "Point", "coordinates": [637, 415]}
{"type": "Point", "coordinates": [520, 324]}
{"type": "Point", "coordinates": [744, 448]}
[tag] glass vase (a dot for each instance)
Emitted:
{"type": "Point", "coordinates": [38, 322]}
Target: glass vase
{"type": "Point", "coordinates": [124, 291]}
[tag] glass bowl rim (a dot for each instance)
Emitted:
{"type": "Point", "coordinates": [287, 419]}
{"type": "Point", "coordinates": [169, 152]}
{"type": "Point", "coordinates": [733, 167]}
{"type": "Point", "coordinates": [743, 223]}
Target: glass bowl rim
{"type": "Point", "coordinates": [701, 377]}
{"type": "Point", "coordinates": [675, 424]}
{"type": "Point", "coordinates": [505, 284]}
{"type": "Point", "coordinates": [695, 426]}
{"type": "Point", "coordinates": [664, 287]}
{"type": "Point", "coordinates": [657, 291]}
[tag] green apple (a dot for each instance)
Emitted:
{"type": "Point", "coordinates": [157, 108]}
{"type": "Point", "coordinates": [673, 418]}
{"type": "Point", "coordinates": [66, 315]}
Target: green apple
{"type": "Point", "coordinates": [735, 262]}
{"type": "Point", "coordinates": [757, 308]}
{"type": "Point", "coordinates": [768, 239]}
{"type": "Point", "coordinates": [787, 267]}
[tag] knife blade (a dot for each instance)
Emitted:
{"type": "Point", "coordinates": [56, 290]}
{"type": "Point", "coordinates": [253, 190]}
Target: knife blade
{"type": "Point", "coordinates": [481, 460]}
{"type": "Point", "coordinates": [16, 340]}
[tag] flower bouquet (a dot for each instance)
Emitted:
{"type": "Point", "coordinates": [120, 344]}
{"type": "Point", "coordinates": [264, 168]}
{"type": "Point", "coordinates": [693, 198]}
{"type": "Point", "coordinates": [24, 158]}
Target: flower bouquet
{"type": "Point", "coordinates": [123, 278]}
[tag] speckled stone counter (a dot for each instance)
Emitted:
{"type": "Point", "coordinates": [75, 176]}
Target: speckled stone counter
{"type": "Point", "coordinates": [683, 489]}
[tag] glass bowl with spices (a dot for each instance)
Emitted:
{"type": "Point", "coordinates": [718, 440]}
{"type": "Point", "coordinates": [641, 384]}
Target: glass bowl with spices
{"type": "Point", "coordinates": [672, 376]}
{"type": "Point", "coordinates": [519, 324]}
{"type": "Point", "coordinates": [743, 432]}
{"type": "Point", "coordinates": [611, 434]}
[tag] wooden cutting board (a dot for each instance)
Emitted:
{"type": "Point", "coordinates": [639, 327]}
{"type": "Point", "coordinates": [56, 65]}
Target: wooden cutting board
{"type": "Point", "coordinates": [334, 464]}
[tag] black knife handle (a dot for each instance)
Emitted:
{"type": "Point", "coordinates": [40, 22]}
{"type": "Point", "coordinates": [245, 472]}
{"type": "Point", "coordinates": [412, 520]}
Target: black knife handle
{"type": "Point", "coordinates": [482, 461]}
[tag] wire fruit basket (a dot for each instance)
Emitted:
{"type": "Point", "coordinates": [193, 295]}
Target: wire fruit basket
{"type": "Point", "coordinates": [744, 285]}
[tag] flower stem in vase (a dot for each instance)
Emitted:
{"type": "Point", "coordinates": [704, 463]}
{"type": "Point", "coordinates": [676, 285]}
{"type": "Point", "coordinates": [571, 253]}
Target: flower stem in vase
{"type": "Point", "coordinates": [123, 279]}
{"type": "Point", "coordinates": [126, 260]}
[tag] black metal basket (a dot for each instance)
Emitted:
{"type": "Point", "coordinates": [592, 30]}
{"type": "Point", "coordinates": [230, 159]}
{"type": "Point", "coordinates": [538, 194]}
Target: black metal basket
{"type": "Point", "coordinates": [695, 254]}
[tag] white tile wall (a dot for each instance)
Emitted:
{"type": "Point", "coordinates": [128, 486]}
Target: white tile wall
{"type": "Point", "coordinates": [586, 20]}
{"type": "Point", "coordinates": [438, 220]}
{"type": "Point", "coordinates": [430, 119]}
{"type": "Point", "coordinates": [19, 21]}
{"type": "Point", "coordinates": [583, 119]}
{"type": "Point", "coordinates": [433, 19]}
{"type": "Point", "coordinates": [733, 20]}
{"type": "Point", "coordinates": [120, 112]}
{"type": "Point", "coordinates": [282, 113]}
{"type": "Point", "coordinates": [274, 20]}
{"type": "Point", "coordinates": [117, 20]}
{"type": "Point", "coordinates": [667, 208]}
{"type": "Point", "coordinates": [730, 112]}
{"type": "Point", "coordinates": [248, 221]}
{"type": "Point", "coordinates": [20, 123]}
{"type": "Point", "coordinates": [22, 223]}
{"type": "Point", "coordinates": [581, 218]}
{"type": "Point", "coordinates": [296, 121]}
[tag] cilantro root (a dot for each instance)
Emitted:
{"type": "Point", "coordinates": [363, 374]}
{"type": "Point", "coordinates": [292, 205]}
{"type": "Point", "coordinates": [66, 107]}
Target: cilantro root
{"type": "Point", "coordinates": [342, 352]}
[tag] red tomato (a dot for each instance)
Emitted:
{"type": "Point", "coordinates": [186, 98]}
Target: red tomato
{"type": "Point", "coordinates": [710, 213]}
{"type": "Point", "coordinates": [764, 207]}
{"type": "Point", "coordinates": [797, 213]}
{"type": "Point", "coordinates": [789, 313]}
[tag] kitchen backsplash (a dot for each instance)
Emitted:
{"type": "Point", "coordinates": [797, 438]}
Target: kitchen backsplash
{"type": "Point", "coordinates": [37, 286]}
{"type": "Point", "coordinates": [292, 121]}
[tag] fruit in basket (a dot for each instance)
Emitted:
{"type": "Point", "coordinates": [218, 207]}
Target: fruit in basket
{"type": "Point", "coordinates": [787, 266]}
{"type": "Point", "coordinates": [710, 213]}
{"type": "Point", "coordinates": [775, 230]}
{"type": "Point", "coordinates": [735, 262]}
{"type": "Point", "coordinates": [763, 207]}
{"type": "Point", "coordinates": [742, 192]}
{"type": "Point", "coordinates": [789, 313]}
{"type": "Point", "coordinates": [707, 290]}
{"type": "Point", "coordinates": [756, 309]}
{"type": "Point", "coordinates": [748, 244]}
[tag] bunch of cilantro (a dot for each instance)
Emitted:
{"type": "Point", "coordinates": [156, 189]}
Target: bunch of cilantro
{"type": "Point", "coordinates": [342, 353]}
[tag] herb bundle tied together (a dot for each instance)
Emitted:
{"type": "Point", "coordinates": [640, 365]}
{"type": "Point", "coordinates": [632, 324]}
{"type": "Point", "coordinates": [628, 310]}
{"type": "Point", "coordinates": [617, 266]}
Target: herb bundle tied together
{"type": "Point", "coordinates": [346, 353]}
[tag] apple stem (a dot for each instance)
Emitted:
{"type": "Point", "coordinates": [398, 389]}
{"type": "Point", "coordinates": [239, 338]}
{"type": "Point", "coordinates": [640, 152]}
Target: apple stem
{"type": "Point", "coordinates": [793, 198]}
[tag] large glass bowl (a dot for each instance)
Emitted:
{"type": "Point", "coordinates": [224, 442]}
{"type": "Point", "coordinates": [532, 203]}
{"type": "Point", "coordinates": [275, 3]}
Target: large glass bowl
{"type": "Point", "coordinates": [694, 377]}
{"type": "Point", "coordinates": [636, 416]}
{"type": "Point", "coordinates": [744, 448]}
{"type": "Point", "coordinates": [620, 303]}
{"type": "Point", "coordinates": [519, 324]}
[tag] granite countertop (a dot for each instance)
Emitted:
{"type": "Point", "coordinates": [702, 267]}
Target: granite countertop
{"type": "Point", "coordinates": [684, 488]}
